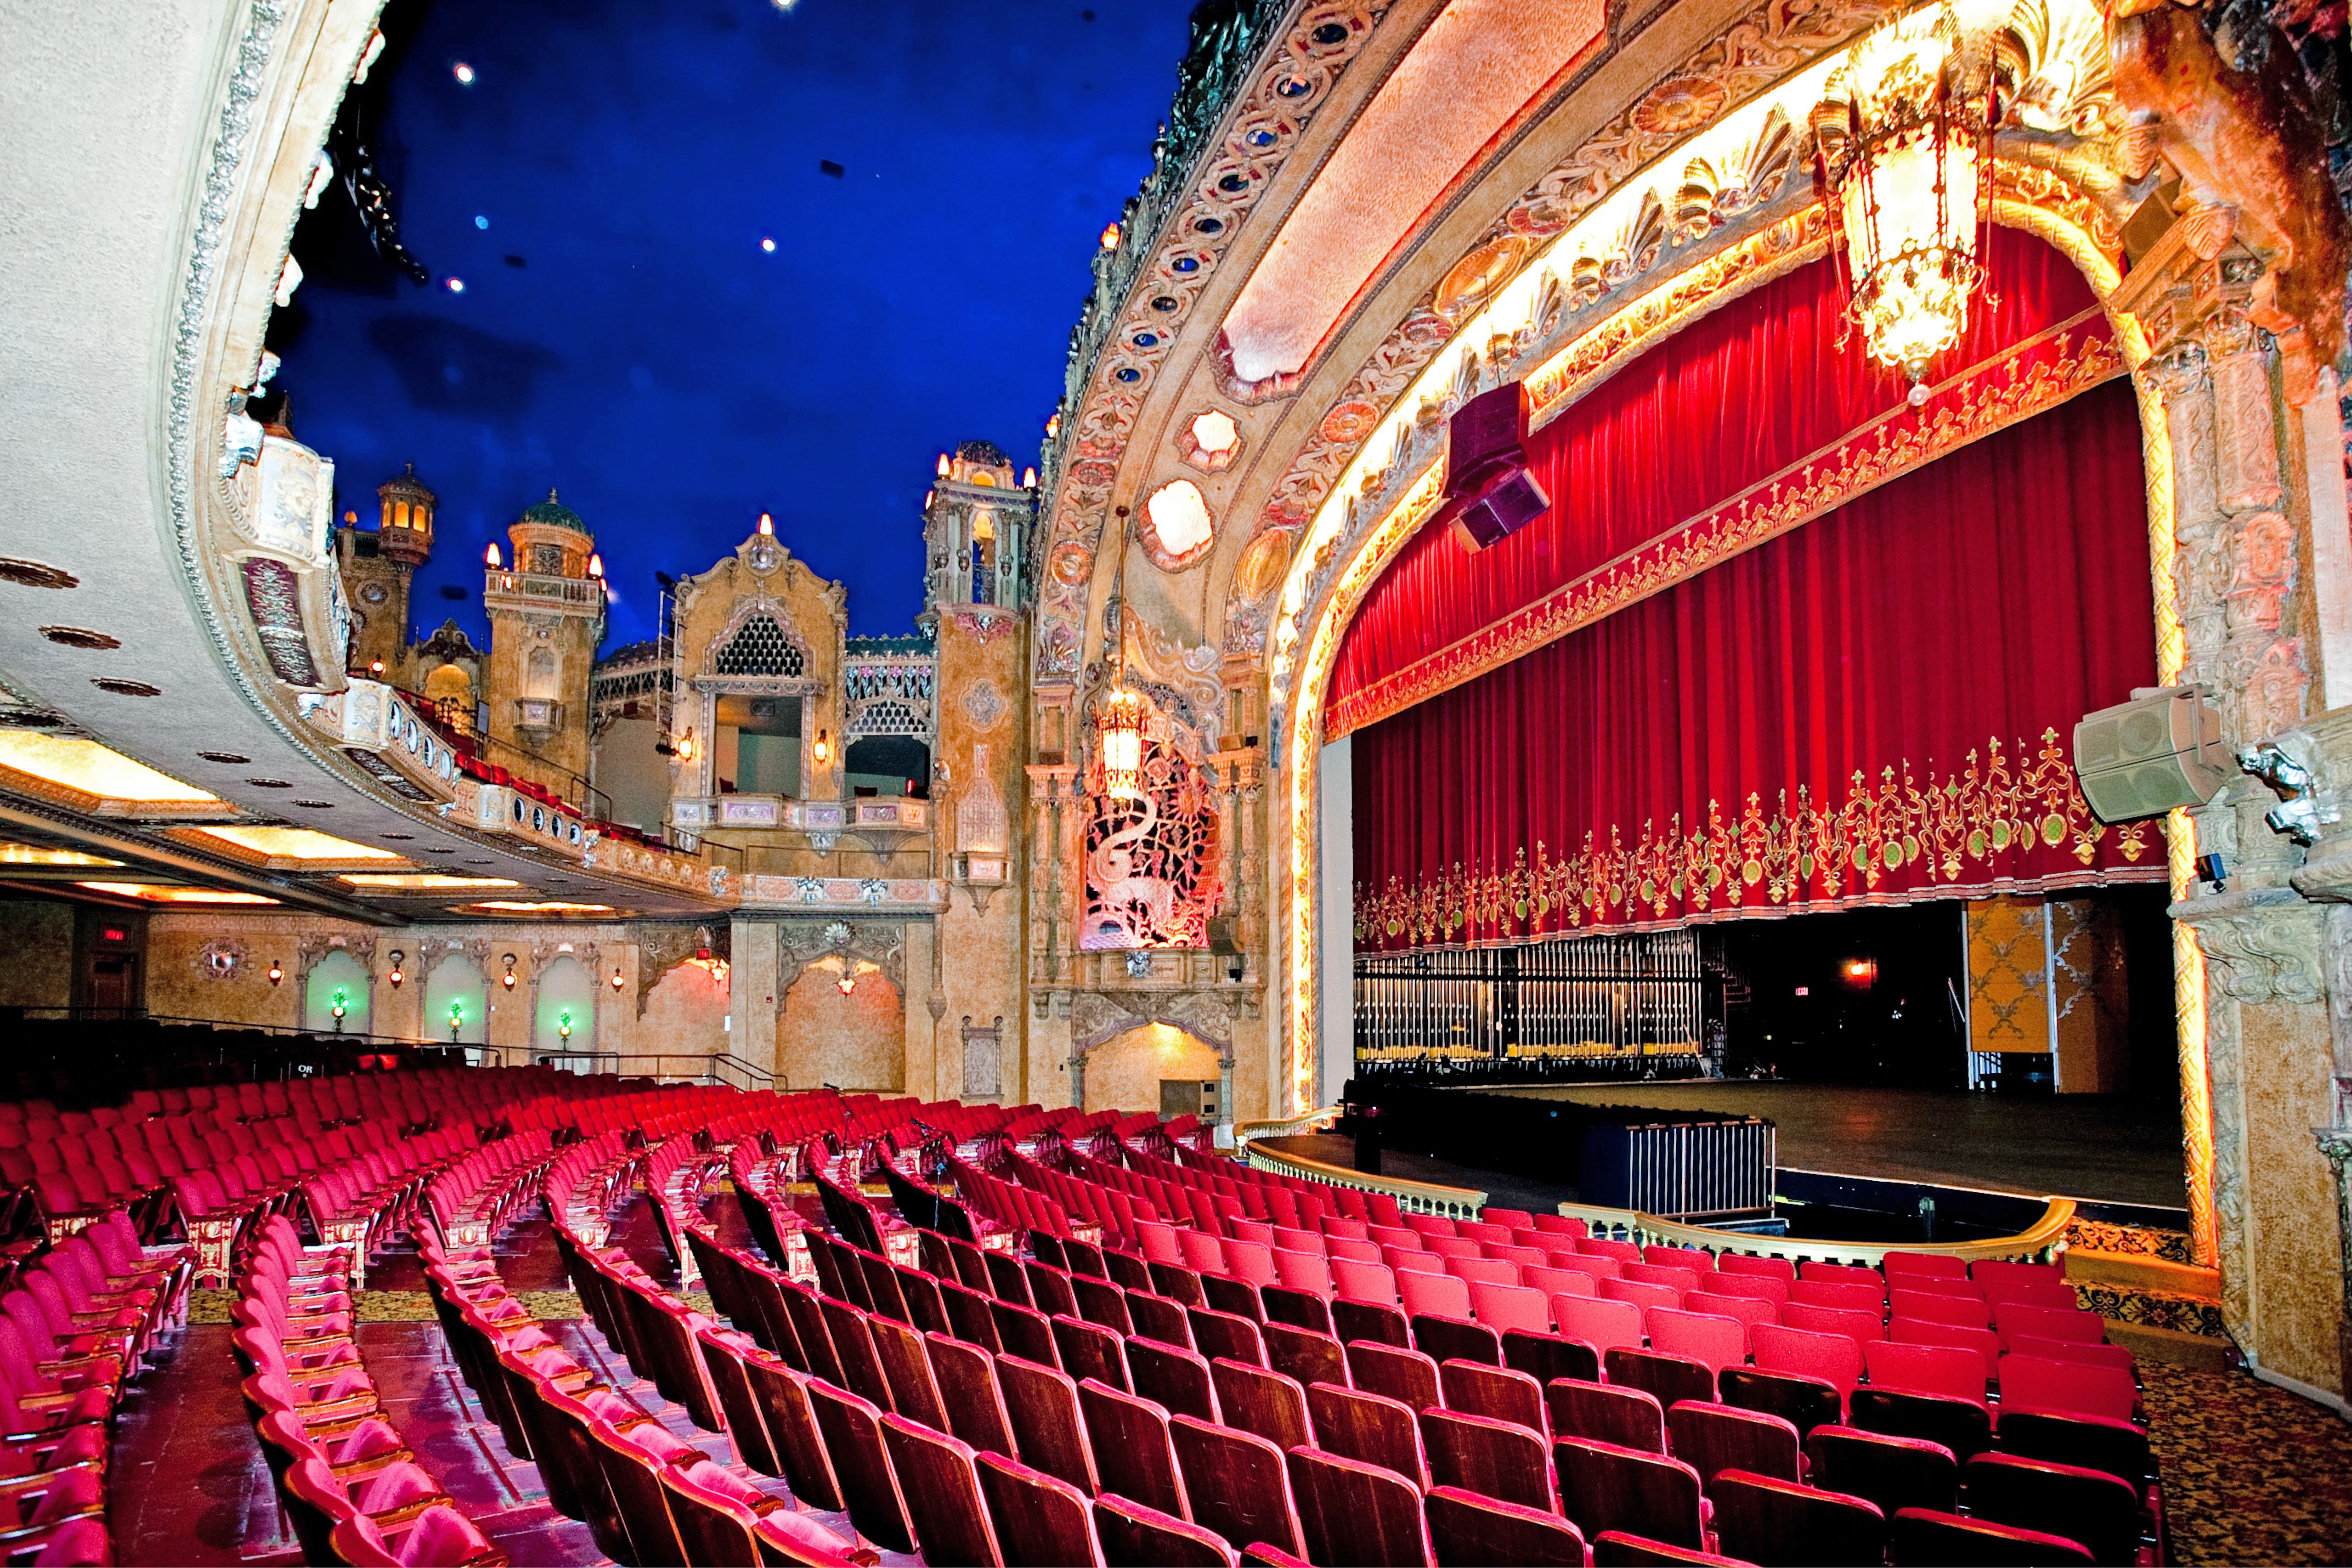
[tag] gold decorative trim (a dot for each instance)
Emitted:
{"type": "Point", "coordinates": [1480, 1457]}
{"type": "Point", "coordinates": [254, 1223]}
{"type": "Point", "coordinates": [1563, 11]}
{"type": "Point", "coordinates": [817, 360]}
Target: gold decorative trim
{"type": "Point", "coordinates": [1830, 855]}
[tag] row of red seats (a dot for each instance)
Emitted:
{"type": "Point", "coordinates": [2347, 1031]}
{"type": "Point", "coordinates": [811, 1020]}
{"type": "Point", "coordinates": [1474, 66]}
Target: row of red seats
{"type": "Point", "coordinates": [649, 1494]}
{"type": "Point", "coordinates": [76, 1326]}
{"type": "Point", "coordinates": [351, 1487]}
{"type": "Point", "coordinates": [896, 1294]}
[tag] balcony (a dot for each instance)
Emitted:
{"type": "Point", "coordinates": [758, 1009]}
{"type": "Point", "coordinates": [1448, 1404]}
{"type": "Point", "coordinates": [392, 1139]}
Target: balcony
{"type": "Point", "coordinates": [577, 595]}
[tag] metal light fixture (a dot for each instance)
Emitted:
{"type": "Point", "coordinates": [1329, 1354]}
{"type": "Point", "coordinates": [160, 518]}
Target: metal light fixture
{"type": "Point", "coordinates": [824, 751]}
{"type": "Point", "coordinates": [339, 1009]}
{"type": "Point", "coordinates": [1118, 716]}
{"type": "Point", "coordinates": [686, 747]}
{"type": "Point", "coordinates": [1904, 136]}
{"type": "Point", "coordinates": [564, 1024]}
{"type": "Point", "coordinates": [617, 977]}
{"type": "Point", "coordinates": [276, 971]}
{"type": "Point", "coordinates": [375, 668]}
{"type": "Point", "coordinates": [490, 556]}
{"type": "Point", "coordinates": [508, 979]}
{"type": "Point", "coordinates": [846, 983]}
{"type": "Point", "coordinates": [456, 1020]}
{"type": "Point", "coordinates": [396, 976]}
{"type": "Point", "coordinates": [596, 566]}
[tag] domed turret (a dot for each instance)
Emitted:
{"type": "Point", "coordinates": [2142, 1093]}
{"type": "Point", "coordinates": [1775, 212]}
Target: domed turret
{"type": "Point", "coordinates": [404, 530]}
{"type": "Point", "coordinates": [551, 540]}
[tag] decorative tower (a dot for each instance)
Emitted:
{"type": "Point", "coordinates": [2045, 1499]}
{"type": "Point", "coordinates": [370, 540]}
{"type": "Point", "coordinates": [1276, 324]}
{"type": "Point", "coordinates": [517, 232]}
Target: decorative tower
{"type": "Point", "coordinates": [378, 567]}
{"type": "Point", "coordinates": [547, 616]}
{"type": "Point", "coordinates": [976, 528]}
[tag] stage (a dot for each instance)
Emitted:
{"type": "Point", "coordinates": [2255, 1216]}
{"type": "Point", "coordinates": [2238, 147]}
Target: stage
{"type": "Point", "coordinates": [2101, 1148]}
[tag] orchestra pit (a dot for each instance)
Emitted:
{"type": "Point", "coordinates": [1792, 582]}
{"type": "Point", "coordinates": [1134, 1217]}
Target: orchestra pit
{"type": "Point", "coordinates": [1320, 782]}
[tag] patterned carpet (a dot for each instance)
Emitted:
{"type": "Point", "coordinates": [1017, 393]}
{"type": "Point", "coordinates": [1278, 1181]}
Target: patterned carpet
{"type": "Point", "coordinates": [2251, 1473]}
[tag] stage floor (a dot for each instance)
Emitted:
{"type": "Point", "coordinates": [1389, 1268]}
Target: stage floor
{"type": "Point", "coordinates": [2102, 1148]}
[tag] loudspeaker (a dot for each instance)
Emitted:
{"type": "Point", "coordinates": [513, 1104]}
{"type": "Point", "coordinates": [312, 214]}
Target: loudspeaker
{"type": "Point", "coordinates": [2159, 750]}
{"type": "Point", "coordinates": [1489, 493]}
{"type": "Point", "coordinates": [1511, 500]}
{"type": "Point", "coordinates": [1487, 433]}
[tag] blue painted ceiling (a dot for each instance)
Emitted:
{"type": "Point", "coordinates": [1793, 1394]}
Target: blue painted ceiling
{"type": "Point", "coordinates": [602, 188]}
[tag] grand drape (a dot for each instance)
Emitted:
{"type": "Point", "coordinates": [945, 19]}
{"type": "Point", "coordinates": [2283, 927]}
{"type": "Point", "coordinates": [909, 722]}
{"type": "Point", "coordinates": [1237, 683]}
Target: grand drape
{"type": "Point", "coordinates": [1753, 420]}
{"type": "Point", "coordinates": [1877, 705]}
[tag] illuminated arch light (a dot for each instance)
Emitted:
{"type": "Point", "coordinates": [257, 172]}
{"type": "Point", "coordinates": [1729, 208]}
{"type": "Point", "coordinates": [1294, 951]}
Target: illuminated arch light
{"type": "Point", "coordinates": [1178, 530]}
{"type": "Point", "coordinates": [1210, 441]}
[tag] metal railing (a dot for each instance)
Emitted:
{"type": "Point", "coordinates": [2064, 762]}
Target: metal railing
{"type": "Point", "coordinates": [1413, 1197]}
{"type": "Point", "coordinates": [2039, 1242]}
{"type": "Point", "coordinates": [671, 1066]}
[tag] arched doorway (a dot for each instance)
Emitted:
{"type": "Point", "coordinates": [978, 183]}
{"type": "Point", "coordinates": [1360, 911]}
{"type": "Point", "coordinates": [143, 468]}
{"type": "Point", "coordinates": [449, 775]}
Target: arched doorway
{"type": "Point", "coordinates": [455, 989]}
{"type": "Point", "coordinates": [564, 1018]}
{"type": "Point", "coordinates": [854, 1040]}
{"type": "Point", "coordinates": [1126, 1071]}
{"type": "Point", "coordinates": [337, 980]}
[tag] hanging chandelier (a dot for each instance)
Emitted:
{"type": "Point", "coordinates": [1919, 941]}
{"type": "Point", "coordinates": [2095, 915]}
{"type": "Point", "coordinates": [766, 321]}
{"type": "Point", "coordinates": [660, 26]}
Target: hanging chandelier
{"type": "Point", "coordinates": [1904, 140]}
{"type": "Point", "coordinates": [1118, 715]}
{"type": "Point", "coordinates": [1119, 742]}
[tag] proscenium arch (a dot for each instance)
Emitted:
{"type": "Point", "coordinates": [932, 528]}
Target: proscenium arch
{"type": "Point", "coordinates": [1297, 893]}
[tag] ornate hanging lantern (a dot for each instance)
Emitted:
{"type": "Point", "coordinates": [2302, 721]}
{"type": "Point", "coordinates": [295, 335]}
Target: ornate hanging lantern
{"type": "Point", "coordinates": [1118, 739]}
{"type": "Point", "coordinates": [1903, 141]}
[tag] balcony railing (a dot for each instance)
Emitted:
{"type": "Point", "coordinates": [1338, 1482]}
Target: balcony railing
{"type": "Point", "coordinates": [568, 591]}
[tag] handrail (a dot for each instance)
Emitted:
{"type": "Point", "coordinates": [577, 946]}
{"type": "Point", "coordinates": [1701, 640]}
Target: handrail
{"type": "Point", "coordinates": [1414, 1197]}
{"type": "Point", "coordinates": [2037, 1242]}
{"type": "Point", "coordinates": [140, 1015]}
{"type": "Point", "coordinates": [703, 1069]}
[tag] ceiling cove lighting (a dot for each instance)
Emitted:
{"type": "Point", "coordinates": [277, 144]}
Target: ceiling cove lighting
{"type": "Point", "coordinates": [294, 844]}
{"type": "Point", "coordinates": [38, 855]}
{"type": "Point", "coordinates": [158, 893]}
{"type": "Point", "coordinates": [95, 770]}
{"type": "Point", "coordinates": [1904, 140]}
{"type": "Point", "coordinates": [426, 881]}
{"type": "Point", "coordinates": [548, 906]}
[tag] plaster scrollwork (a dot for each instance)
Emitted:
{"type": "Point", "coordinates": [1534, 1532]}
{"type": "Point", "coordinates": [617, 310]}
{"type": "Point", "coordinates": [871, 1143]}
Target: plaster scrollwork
{"type": "Point", "coordinates": [662, 947]}
{"type": "Point", "coordinates": [2335, 1148]}
{"type": "Point", "coordinates": [2261, 945]}
{"type": "Point", "coordinates": [882, 945]}
{"type": "Point", "coordinates": [1096, 1019]}
{"type": "Point", "coordinates": [311, 951]}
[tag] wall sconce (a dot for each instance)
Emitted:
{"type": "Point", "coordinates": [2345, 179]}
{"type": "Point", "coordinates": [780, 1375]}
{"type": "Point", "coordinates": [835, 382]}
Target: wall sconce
{"type": "Point", "coordinates": [508, 979]}
{"type": "Point", "coordinates": [617, 977]}
{"type": "Point", "coordinates": [375, 668]}
{"type": "Point", "coordinates": [490, 556]}
{"type": "Point", "coordinates": [824, 748]}
{"type": "Point", "coordinates": [339, 1009]}
{"type": "Point", "coordinates": [457, 1019]}
{"type": "Point", "coordinates": [395, 976]}
{"type": "Point", "coordinates": [564, 1024]}
{"type": "Point", "coordinates": [846, 983]}
{"type": "Point", "coordinates": [276, 971]}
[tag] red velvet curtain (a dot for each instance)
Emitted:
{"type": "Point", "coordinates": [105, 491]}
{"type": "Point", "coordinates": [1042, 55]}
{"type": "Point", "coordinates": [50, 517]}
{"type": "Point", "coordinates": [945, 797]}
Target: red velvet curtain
{"type": "Point", "coordinates": [1740, 396]}
{"type": "Point", "coordinates": [1878, 705]}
